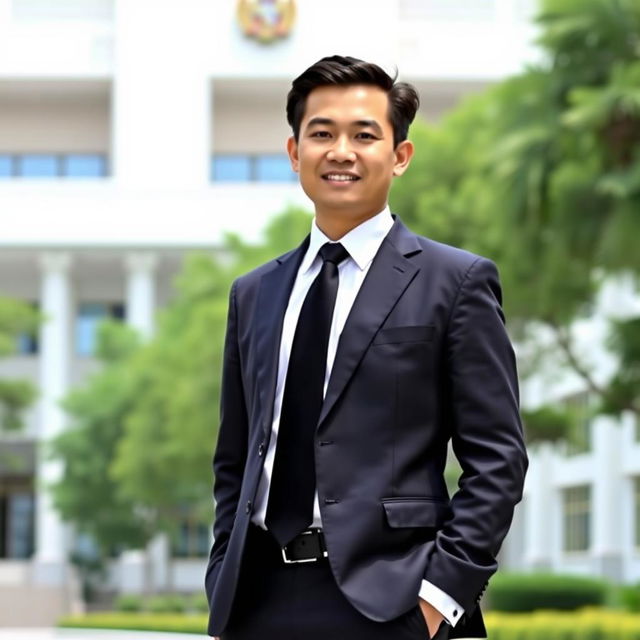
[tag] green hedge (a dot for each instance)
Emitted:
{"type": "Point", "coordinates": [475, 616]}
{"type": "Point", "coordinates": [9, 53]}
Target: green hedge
{"type": "Point", "coordinates": [532, 591]}
{"type": "Point", "coordinates": [588, 624]}
{"type": "Point", "coordinates": [630, 597]}
{"type": "Point", "coordinates": [139, 622]}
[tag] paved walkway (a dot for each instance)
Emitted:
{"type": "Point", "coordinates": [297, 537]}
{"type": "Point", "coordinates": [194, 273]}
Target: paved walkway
{"type": "Point", "coordinates": [91, 634]}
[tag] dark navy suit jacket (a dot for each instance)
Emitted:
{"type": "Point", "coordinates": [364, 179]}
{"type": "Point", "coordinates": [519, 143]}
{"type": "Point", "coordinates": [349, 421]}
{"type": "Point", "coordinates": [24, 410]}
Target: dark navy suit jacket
{"type": "Point", "coordinates": [423, 359]}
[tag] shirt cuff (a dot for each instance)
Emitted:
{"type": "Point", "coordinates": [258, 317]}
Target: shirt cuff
{"type": "Point", "coordinates": [441, 601]}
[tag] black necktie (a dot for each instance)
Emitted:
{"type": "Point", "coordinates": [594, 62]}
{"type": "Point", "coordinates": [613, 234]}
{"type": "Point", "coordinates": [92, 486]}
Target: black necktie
{"type": "Point", "coordinates": [293, 481]}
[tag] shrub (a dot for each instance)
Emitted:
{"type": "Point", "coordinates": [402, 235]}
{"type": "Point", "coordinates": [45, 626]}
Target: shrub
{"type": "Point", "coordinates": [198, 602]}
{"type": "Point", "coordinates": [630, 597]}
{"type": "Point", "coordinates": [588, 624]}
{"type": "Point", "coordinates": [158, 622]}
{"type": "Point", "coordinates": [129, 603]}
{"type": "Point", "coordinates": [166, 604]}
{"type": "Point", "coordinates": [528, 592]}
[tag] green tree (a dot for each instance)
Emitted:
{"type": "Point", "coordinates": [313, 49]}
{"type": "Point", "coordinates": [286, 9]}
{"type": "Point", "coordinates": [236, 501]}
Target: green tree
{"type": "Point", "coordinates": [541, 172]}
{"type": "Point", "coordinates": [152, 409]}
{"type": "Point", "coordinates": [16, 318]}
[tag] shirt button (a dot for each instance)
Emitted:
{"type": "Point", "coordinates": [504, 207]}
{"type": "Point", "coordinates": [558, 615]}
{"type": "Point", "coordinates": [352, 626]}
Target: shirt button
{"type": "Point", "coordinates": [455, 613]}
{"type": "Point", "coordinates": [248, 507]}
{"type": "Point", "coordinates": [261, 449]}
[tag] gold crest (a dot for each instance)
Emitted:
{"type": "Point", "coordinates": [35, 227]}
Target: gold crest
{"type": "Point", "coordinates": [266, 20]}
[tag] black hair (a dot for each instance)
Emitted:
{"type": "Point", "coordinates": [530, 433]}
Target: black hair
{"type": "Point", "coordinates": [344, 70]}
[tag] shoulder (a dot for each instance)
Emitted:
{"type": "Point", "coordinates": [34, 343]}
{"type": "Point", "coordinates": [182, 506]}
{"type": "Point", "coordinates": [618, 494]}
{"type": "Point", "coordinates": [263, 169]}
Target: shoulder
{"type": "Point", "coordinates": [453, 262]}
{"type": "Point", "coordinates": [248, 282]}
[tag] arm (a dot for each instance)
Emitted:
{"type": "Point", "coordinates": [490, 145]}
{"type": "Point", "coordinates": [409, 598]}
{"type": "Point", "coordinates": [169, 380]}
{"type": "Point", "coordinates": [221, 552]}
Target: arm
{"type": "Point", "coordinates": [231, 450]}
{"type": "Point", "coordinates": [482, 406]}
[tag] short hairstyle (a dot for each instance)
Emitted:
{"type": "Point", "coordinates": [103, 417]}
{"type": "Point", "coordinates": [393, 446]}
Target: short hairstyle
{"type": "Point", "coordinates": [344, 70]}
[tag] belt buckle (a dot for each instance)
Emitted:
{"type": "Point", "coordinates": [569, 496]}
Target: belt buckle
{"type": "Point", "coordinates": [284, 551]}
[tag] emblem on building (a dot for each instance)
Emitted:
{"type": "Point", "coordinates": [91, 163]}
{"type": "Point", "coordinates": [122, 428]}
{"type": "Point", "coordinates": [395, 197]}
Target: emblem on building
{"type": "Point", "coordinates": [266, 20]}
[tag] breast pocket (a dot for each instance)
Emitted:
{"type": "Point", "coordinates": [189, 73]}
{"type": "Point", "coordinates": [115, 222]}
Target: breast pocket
{"type": "Point", "coordinates": [396, 335]}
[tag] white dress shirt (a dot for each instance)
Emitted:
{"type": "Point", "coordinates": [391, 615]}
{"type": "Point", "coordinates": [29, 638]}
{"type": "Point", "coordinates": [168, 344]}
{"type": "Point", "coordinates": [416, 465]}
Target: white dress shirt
{"type": "Point", "coordinates": [362, 243]}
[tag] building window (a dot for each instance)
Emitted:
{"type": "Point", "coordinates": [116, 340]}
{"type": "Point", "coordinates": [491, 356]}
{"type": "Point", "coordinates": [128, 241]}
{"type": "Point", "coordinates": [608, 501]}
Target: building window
{"type": "Point", "coordinates": [6, 166]}
{"type": "Point", "coordinates": [266, 167]}
{"type": "Point", "coordinates": [27, 342]}
{"type": "Point", "coordinates": [90, 315]}
{"type": "Point", "coordinates": [17, 508]}
{"type": "Point", "coordinates": [53, 165]}
{"type": "Point", "coordinates": [274, 168]}
{"type": "Point", "coordinates": [577, 518]}
{"type": "Point", "coordinates": [192, 539]}
{"type": "Point", "coordinates": [84, 165]}
{"type": "Point", "coordinates": [38, 165]}
{"type": "Point", "coordinates": [231, 168]}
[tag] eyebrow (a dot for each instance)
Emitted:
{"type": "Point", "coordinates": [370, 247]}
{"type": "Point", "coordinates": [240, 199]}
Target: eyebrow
{"type": "Point", "coordinates": [318, 120]}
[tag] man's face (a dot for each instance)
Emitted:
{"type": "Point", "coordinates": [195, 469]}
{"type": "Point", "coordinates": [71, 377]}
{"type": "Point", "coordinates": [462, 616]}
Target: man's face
{"type": "Point", "coordinates": [345, 154]}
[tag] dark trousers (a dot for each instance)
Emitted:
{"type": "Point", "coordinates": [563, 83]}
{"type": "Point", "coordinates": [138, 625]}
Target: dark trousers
{"type": "Point", "coordinates": [278, 601]}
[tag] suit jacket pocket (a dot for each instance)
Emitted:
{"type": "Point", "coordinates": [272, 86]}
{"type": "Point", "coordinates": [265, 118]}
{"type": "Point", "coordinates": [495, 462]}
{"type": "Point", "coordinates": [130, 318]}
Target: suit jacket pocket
{"type": "Point", "coordinates": [393, 335]}
{"type": "Point", "coordinates": [415, 512]}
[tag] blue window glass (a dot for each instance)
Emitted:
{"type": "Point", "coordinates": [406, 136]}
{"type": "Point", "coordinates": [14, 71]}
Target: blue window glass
{"type": "Point", "coordinates": [20, 531]}
{"type": "Point", "coordinates": [274, 168]}
{"type": "Point", "coordinates": [90, 316]}
{"type": "Point", "coordinates": [38, 165]}
{"type": "Point", "coordinates": [6, 165]}
{"type": "Point", "coordinates": [26, 344]}
{"type": "Point", "coordinates": [231, 168]}
{"type": "Point", "coordinates": [84, 165]}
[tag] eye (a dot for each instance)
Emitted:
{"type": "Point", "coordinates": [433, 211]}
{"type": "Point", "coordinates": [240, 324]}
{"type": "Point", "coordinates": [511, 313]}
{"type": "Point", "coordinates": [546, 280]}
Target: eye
{"type": "Point", "coordinates": [320, 134]}
{"type": "Point", "coordinates": [365, 135]}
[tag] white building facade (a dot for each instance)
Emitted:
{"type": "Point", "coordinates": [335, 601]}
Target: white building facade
{"type": "Point", "coordinates": [134, 132]}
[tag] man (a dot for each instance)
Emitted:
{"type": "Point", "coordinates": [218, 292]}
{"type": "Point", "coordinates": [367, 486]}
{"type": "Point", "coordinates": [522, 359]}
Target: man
{"type": "Point", "coordinates": [349, 365]}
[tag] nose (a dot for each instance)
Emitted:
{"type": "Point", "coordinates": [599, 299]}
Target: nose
{"type": "Point", "coordinates": [341, 150]}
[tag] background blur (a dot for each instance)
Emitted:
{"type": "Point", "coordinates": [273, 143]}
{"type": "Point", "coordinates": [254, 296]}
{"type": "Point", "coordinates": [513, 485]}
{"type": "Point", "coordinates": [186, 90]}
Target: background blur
{"type": "Point", "coordinates": [142, 167]}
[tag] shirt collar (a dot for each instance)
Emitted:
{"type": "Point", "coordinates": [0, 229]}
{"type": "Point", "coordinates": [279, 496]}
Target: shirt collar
{"type": "Point", "coordinates": [362, 242]}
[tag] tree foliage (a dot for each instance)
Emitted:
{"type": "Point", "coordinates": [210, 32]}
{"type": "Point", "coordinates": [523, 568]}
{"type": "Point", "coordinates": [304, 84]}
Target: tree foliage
{"type": "Point", "coordinates": [137, 453]}
{"type": "Point", "coordinates": [16, 318]}
{"type": "Point", "coordinates": [541, 172]}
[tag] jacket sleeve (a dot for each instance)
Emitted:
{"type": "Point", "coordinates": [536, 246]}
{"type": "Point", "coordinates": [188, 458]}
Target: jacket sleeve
{"type": "Point", "coordinates": [482, 406]}
{"type": "Point", "coordinates": [231, 449]}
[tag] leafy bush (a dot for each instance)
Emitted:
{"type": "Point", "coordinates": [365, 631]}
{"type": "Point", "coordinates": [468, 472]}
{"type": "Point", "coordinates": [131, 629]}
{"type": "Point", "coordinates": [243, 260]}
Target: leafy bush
{"type": "Point", "coordinates": [630, 597]}
{"type": "Point", "coordinates": [532, 591]}
{"type": "Point", "coordinates": [139, 622]}
{"type": "Point", "coordinates": [198, 602]}
{"type": "Point", "coordinates": [128, 603]}
{"type": "Point", "coordinates": [166, 604]}
{"type": "Point", "coordinates": [587, 624]}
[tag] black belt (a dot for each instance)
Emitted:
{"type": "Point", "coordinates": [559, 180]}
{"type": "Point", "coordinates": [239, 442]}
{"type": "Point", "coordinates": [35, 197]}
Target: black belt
{"type": "Point", "coordinates": [308, 546]}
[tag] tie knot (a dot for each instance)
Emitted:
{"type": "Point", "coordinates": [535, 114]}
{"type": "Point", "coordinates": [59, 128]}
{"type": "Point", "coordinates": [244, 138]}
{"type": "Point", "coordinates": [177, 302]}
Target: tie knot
{"type": "Point", "coordinates": [333, 252]}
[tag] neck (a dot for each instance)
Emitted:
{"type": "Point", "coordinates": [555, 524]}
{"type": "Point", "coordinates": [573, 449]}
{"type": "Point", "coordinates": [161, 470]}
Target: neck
{"type": "Point", "coordinates": [335, 225]}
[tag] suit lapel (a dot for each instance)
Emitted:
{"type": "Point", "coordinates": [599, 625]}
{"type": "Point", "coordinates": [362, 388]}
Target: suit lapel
{"type": "Point", "coordinates": [389, 275]}
{"type": "Point", "coordinates": [273, 298]}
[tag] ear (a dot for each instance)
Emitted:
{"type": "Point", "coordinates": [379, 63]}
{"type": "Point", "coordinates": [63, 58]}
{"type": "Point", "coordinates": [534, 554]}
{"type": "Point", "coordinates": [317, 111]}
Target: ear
{"type": "Point", "coordinates": [403, 153]}
{"type": "Point", "coordinates": [292, 150]}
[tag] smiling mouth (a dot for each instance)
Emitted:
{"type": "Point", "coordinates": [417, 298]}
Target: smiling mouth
{"type": "Point", "coordinates": [340, 177]}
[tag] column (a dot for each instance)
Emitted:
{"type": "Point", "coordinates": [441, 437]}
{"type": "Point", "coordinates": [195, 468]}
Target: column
{"type": "Point", "coordinates": [539, 512]}
{"type": "Point", "coordinates": [141, 291]}
{"type": "Point", "coordinates": [606, 504]}
{"type": "Point", "coordinates": [55, 354]}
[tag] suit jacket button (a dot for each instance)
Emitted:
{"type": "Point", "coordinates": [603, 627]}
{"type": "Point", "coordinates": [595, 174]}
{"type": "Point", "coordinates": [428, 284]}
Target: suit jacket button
{"type": "Point", "coordinates": [261, 449]}
{"type": "Point", "coordinates": [248, 507]}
